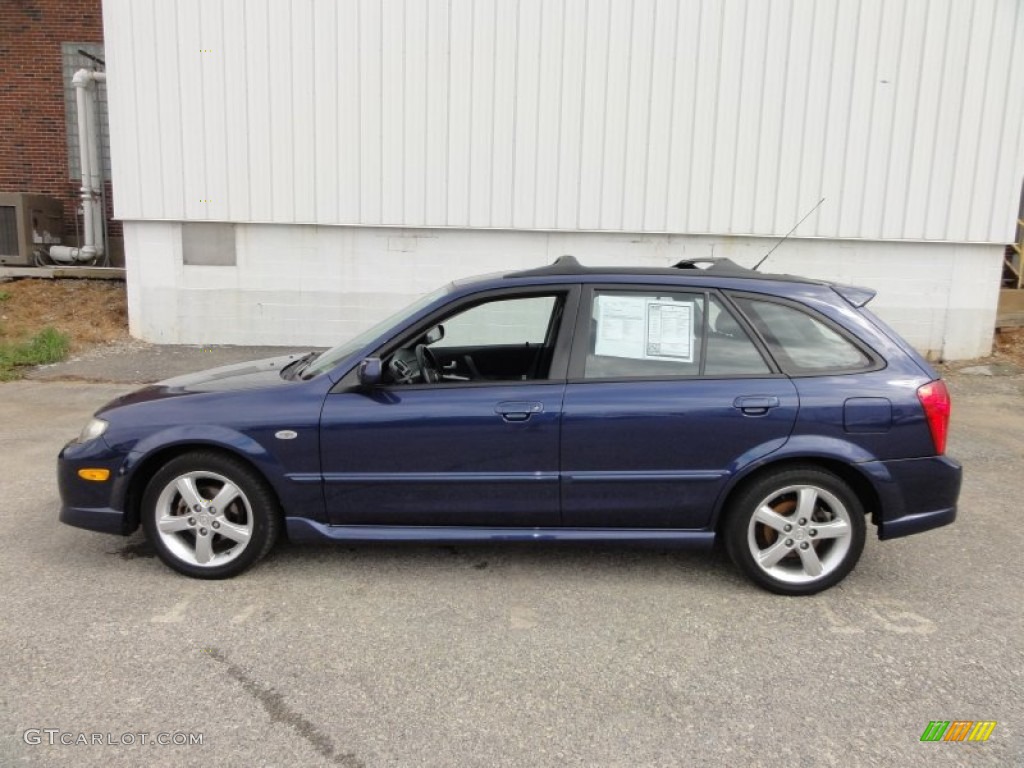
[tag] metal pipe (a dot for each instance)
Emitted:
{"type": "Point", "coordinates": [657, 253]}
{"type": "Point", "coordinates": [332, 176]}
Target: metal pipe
{"type": "Point", "coordinates": [88, 151]}
{"type": "Point", "coordinates": [95, 171]}
{"type": "Point", "coordinates": [95, 164]}
{"type": "Point", "coordinates": [81, 82]}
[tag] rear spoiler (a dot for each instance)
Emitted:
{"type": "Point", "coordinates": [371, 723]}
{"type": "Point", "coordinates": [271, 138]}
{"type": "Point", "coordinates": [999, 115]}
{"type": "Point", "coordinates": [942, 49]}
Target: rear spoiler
{"type": "Point", "coordinates": [858, 297]}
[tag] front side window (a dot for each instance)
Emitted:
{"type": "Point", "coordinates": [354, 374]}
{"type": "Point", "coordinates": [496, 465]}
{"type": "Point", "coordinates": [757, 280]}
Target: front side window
{"type": "Point", "coordinates": [801, 343]}
{"type": "Point", "coordinates": [499, 340]}
{"type": "Point", "coordinates": [497, 323]}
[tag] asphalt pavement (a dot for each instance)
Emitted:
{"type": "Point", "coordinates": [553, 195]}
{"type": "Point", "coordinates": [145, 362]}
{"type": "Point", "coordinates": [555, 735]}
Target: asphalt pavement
{"type": "Point", "coordinates": [506, 654]}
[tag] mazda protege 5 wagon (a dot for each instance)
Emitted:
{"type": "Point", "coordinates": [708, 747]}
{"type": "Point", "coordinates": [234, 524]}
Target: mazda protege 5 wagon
{"type": "Point", "coordinates": [672, 406]}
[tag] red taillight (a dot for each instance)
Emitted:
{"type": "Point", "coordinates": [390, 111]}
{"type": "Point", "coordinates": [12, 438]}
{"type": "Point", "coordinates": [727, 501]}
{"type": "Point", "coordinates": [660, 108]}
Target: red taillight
{"type": "Point", "coordinates": [935, 400]}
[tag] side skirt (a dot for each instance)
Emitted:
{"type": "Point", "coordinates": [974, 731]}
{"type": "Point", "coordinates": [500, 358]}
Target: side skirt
{"type": "Point", "coordinates": [303, 530]}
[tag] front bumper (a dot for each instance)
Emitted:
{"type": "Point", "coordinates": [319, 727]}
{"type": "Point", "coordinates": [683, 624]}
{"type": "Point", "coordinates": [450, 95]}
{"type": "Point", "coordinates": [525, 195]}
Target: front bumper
{"type": "Point", "coordinates": [103, 520]}
{"type": "Point", "coordinates": [916, 494]}
{"type": "Point", "coordinates": [96, 506]}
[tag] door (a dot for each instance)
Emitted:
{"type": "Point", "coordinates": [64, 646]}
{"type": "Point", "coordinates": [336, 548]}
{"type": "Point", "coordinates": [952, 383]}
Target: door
{"type": "Point", "coordinates": [469, 448]}
{"type": "Point", "coordinates": [668, 394]}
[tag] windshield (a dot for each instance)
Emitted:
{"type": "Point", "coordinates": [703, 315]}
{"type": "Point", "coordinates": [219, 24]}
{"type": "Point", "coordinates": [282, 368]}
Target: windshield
{"type": "Point", "coordinates": [333, 356]}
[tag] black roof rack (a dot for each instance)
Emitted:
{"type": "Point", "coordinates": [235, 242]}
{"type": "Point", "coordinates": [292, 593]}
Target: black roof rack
{"type": "Point", "coordinates": [720, 267]}
{"type": "Point", "coordinates": [563, 265]}
{"type": "Point", "coordinates": [717, 267]}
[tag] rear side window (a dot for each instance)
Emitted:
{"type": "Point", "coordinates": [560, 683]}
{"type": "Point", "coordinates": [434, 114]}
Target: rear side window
{"type": "Point", "coordinates": [801, 343]}
{"type": "Point", "coordinates": [730, 352]}
{"type": "Point", "coordinates": [640, 334]}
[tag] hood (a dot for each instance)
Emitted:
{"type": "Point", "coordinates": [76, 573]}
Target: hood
{"type": "Point", "coordinates": [253, 374]}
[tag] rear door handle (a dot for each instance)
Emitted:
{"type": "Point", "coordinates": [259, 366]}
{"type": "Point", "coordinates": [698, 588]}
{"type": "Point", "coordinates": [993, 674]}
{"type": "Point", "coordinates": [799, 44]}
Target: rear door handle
{"type": "Point", "coordinates": [756, 405]}
{"type": "Point", "coordinates": [518, 410]}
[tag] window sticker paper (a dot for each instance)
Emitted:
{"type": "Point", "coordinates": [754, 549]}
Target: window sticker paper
{"type": "Point", "coordinates": [644, 328]}
{"type": "Point", "coordinates": [669, 331]}
{"type": "Point", "coordinates": [620, 326]}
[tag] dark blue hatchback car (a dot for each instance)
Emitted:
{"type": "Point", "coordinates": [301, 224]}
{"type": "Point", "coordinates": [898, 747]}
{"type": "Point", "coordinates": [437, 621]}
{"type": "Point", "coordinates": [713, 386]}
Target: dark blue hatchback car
{"type": "Point", "coordinates": [671, 406]}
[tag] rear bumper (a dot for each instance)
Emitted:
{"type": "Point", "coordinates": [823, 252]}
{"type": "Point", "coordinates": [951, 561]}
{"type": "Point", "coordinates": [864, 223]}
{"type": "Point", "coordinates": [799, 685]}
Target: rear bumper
{"type": "Point", "coordinates": [916, 494]}
{"type": "Point", "coordinates": [908, 524]}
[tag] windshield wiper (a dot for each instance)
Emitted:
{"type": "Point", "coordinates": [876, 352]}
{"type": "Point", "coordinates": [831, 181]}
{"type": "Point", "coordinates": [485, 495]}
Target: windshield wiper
{"type": "Point", "coordinates": [295, 367]}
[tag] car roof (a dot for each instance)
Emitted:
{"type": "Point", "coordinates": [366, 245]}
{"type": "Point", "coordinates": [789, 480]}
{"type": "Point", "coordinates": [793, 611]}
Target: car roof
{"type": "Point", "coordinates": [716, 268]}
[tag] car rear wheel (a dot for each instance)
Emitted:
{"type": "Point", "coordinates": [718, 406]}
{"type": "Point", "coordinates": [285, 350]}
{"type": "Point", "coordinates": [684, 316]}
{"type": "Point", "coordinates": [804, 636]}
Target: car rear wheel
{"type": "Point", "coordinates": [209, 516]}
{"type": "Point", "coordinates": [796, 532]}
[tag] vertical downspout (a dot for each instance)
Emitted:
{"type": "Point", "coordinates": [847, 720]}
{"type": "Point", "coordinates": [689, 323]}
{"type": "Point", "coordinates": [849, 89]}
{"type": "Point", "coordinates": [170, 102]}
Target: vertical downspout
{"type": "Point", "coordinates": [92, 213]}
{"type": "Point", "coordinates": [95, 169]}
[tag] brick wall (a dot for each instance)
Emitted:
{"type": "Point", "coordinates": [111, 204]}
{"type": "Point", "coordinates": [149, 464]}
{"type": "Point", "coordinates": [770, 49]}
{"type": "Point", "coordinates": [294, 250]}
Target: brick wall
{"type": "Point", "coordinates": [33, 145]}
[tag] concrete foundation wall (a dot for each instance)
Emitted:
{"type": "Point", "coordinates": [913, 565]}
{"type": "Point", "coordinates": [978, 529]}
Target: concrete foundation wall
{"type": "Point", "coordinates": [306, 285]}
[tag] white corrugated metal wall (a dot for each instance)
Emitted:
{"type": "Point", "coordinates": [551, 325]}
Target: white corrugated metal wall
{"type": "Point", "coordinates": [723, 116]}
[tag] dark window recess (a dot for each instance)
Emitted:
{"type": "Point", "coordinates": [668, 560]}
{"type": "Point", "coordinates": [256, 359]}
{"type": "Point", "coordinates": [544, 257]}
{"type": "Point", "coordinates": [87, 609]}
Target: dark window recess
{"type": "Point", "coordinates": [208, 244]}
{"type": "Point", "coordinates": [8, 231]}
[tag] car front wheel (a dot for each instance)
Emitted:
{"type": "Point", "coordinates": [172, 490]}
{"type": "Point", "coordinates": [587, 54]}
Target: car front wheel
{"type": "Point", "coordinates": [209, 516]}
{"type": "Point", "coordinates": [796, 532]}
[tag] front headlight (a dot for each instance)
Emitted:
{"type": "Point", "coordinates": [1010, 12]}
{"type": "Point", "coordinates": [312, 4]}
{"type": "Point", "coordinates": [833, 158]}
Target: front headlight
{"type": "Point", "coordinates": [92, 430]}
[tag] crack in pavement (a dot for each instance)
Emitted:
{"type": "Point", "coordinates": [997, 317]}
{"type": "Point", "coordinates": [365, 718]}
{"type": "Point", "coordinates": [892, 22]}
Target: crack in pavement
{"type": "Point", "coordinates": [279, 711]}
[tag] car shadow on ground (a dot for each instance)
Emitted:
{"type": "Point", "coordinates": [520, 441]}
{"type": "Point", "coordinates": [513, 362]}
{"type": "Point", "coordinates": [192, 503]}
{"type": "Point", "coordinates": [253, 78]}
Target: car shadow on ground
{"type": "Point", "coordinates": [542, 558]}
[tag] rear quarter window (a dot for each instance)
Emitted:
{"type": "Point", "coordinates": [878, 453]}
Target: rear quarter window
{"type": "Point", "coordinates": [802, 343]}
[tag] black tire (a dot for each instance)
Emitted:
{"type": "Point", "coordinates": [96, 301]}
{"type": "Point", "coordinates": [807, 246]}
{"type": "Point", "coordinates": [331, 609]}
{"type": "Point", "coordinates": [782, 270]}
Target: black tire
{"type": "Point", "coordinates": [780, 559]}
{"type": "Point", "coordinates": [198, 539]}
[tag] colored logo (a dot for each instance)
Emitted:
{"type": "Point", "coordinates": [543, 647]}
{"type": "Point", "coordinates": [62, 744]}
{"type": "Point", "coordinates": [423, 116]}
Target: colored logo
{"type": "Point", "coordinates": [958, 730]}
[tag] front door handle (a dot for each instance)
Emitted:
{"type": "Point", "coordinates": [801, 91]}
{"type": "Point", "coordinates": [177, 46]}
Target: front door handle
{"type": "Point", "coordinates": [756, 405]}
{"type": "Point", "coordinates": [518, 410]}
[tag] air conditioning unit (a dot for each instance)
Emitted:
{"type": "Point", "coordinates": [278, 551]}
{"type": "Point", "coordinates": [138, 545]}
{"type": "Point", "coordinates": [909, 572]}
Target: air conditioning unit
{"type": "Point", "coordinates": [28, 223]}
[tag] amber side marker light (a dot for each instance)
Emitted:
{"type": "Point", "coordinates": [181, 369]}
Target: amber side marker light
{"type": "Point", "coordinates": [97, 475]}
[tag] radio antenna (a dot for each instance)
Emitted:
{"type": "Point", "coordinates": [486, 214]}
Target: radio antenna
{"type": "Point", "coordinates": [788, 234]}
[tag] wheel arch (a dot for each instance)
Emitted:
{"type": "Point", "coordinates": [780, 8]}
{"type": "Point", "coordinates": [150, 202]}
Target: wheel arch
{"type": "Point", "coordinates": [151, 463]}
{"type": "Point", "coordinates": [858, 482]}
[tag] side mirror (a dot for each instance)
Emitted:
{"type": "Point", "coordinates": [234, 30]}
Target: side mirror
{"type": "Point", "coordinates": [434, 335]}
{"type": "Point", "coordinates": [370, 371]}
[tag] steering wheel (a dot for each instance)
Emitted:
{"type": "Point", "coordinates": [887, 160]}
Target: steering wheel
{"type": "Point", "coordinates": [430, 370]}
